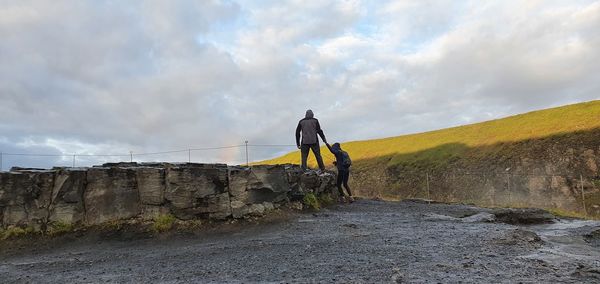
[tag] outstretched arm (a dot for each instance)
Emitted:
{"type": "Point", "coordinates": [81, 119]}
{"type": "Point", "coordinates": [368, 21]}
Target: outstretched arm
{"type": "Point", "coordinates": [298, 129]}
{"type": "Point", "coordinates": [331, 149]}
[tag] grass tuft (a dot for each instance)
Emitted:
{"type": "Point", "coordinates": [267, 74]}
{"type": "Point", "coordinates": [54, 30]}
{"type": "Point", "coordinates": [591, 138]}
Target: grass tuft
{"type": "Point", "coordinates": [326, 199]}
{"type": "Point", "coordinates": [15, 232]}
{"type": "Point", "coordinates": [59, 228]}
{"type": "Point", "coordinates": [163, 223]}
{"type": "Point", "coordinates": [311, 200]}
{"type": "Point", "coordinates": [567, 214]}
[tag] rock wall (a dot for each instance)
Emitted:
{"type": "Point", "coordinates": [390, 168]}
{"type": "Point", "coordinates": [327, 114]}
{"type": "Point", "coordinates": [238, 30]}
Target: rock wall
{"type": "Point", "coordinates": [91, 196]}
{"type": "Point", "coordinates": [547, 173]}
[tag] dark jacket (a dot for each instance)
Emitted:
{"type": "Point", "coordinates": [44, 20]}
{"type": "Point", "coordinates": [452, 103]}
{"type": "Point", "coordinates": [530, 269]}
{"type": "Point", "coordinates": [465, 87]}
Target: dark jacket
{"type": "Point", "coordinates": [336, 150]}
{"type": "Point", "coordinates": [309, 127]}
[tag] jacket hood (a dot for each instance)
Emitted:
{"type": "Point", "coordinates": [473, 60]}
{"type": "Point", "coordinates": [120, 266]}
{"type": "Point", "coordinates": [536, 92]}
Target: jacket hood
{"type": "Point", "coordinates": [309, 114]}
{"type": "Point", "coordinates": [336, 146]}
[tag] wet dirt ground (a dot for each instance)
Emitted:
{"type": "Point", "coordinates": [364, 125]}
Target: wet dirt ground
{"type": "Point", "coordinates": [363, 242]}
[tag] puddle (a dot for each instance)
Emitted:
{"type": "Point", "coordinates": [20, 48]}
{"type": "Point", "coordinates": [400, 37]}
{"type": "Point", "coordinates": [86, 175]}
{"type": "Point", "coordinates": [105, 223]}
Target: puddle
{"type": "Point", "coordinates": [566, 243]}
{"type": "Point", "coordinates": [566, 227]}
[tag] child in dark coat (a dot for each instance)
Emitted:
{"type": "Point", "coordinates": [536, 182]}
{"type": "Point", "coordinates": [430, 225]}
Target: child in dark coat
{"type": "Point", "coordinates": [343, 163]}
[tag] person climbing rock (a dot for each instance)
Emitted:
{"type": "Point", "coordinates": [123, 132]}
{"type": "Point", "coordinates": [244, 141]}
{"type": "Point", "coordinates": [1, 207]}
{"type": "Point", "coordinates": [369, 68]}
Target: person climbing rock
{"type": "Point", "coordinates": [343, 163]}
{"type": "Point", "coordinates": [309, 127]}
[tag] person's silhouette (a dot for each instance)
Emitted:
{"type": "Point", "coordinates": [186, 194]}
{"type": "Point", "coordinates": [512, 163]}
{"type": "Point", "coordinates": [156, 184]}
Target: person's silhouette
{"type": "Point", "coordinates": [308, 128]}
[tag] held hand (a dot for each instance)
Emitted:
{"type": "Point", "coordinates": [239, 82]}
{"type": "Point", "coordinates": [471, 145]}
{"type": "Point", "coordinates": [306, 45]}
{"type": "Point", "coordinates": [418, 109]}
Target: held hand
{"type": "Point", "coordinates": [298, 146]}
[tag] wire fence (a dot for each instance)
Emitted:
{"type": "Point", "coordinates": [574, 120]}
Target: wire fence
{"type": "Point", "coordinates": [182, 155]}
{"type": "Point", "coordinates": [496, 188]}
{"type": "Point", "coordinates": [575, 192]}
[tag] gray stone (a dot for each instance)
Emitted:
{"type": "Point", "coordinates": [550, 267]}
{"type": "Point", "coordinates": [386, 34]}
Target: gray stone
{"type": "Point", "coordinates": [198, 190]}
{"type": "Point", "coordinates": [151, 184]}
{"type": "Point", "coordinates": [216, 206]}
{"type": "Point", "coordinates": [26, 195]}
{"type": "Point", "coordinates": [273, 178]}
{"type": "Point", "coordinates": [67, 196]}
{"type": "Point", "coordinates": [310, 180]}
{"type": "Point", "coordinates": [521, 237]}
{"type": "Point", "coordinates": [15, 215]}
{"type": "Point", "coordinates": [525, 216]}
{"type": "Point", "coordinates": [256, 209]}
{"type": "Point", "coordinates": [480, 217]}
{"type": "Point", "coordinates": [111, 194]}
{"type": "Point", "coordinates": [151, 212]}
{"type": "Point", "coordinates": [250, 186]}
{"type": "Point", "coordinates": [268, 206]}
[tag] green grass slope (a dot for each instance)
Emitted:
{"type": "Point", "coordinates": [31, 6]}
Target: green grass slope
{"type": "Point", "coordinates": [456, 140]}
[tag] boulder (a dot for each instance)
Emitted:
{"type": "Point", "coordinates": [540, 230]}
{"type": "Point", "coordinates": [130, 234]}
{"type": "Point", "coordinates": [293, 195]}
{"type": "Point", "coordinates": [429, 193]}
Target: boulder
{"type": "Point", "coordinates": [7, 190]}
{"type": "Point", "coordinates": [111, 194]}
{"type": "Point", "coordinates": [523, 216]}
{"type": "Point", "coordinates": [317, 182]}
{"type": "Point", "coordinates": [67, 196]}
{"type": "Point", "coordinates": [520, 237]}
{"type": "Point", "coordinates": [151, 184]}
{"type": "Point", "coordinates": [256, 185]}
{"type": "Point", "coordinates": [198, 190]}
{"type": "Point", "coordinates": [479, 217]}
{"type": "Point", "coordinates": [25, 195]}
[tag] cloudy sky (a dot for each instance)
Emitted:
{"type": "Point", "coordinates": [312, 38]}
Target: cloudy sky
{"type": "Point", "coordinates": [104, 77]}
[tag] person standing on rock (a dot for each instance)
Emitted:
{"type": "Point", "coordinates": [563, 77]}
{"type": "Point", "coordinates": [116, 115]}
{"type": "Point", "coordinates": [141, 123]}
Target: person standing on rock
{"type": "Point", "coordinates": [309, 127]}
{"type": "Point", "coordinates": [343, 163]}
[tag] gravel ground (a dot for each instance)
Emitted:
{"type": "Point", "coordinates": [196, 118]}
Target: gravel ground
{"type": "Point", "coordinates": [363, 242]}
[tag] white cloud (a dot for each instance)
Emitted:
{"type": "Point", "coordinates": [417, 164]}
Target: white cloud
{"type": "Point", "coordinates": [157, 75]}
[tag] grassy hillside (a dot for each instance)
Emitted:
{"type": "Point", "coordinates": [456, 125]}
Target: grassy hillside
{"type": "Point", "coordinates": [403, 149]}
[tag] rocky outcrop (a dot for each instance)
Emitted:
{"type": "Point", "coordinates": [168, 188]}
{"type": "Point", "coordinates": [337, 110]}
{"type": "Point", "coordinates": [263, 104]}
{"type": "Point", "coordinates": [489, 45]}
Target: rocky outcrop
{"type": "Point", "coordinates": [556, 172]}
{"type": "Point", "coordinates": [111, 194]}
{"type": "Point", "coordinates": [89, 196]}
{"type": "Point", "coordinates": [25, 197]}
{"type": "Point", "coordinates": [198, 191]}
{"type": "Point", "coordinates": [523, 216]}
{"type": "Point", "coordinates": [66, 205]}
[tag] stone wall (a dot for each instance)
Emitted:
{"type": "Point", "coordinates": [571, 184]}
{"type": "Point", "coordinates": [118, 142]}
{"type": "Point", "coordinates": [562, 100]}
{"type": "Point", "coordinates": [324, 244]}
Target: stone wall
{"type": "Point", "coordinates": [91, 196]}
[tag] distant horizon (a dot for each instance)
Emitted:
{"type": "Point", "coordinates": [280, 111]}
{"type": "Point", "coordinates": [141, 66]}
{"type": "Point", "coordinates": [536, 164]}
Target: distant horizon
{"type": "Point", "coordinates": [150, 76]}
{"type": "Point", "coordinates": [191, 150]}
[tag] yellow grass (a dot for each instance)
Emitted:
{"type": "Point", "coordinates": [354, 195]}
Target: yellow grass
{"type": "Point", "coordinates": [537, 124]}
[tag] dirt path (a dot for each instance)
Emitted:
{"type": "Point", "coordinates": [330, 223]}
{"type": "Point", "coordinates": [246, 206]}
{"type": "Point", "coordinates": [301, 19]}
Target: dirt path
{"type": "Point", "coordinates": [368, 241]}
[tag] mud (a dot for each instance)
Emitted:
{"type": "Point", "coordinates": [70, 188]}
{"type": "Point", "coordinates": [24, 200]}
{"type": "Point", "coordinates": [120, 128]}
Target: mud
{"type": "Point", "coordinates": [365, 242]}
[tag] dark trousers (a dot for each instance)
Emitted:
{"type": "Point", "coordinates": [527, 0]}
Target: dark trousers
{"type": "Point", "coordinates": [342, 178]}
{"type": "Point", "coordinates": [316, 150]}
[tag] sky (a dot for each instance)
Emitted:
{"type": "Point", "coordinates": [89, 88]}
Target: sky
{"type": "Point", "coordinates": [114, 77]}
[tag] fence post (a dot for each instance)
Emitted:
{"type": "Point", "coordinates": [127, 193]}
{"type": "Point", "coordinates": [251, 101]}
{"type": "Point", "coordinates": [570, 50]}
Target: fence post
{"type": "Point", "coordinates": [190, 156]}
{"type": "Point", "coordinates": [427, 182]}
{"type": "Point", "coordinates": [131, 156]}
{"type": "Point", "coordinates": [247, 161]}
{"type": "Point", "coordinates": [582, 194]}
{"type": "Point", "coordinates": [508, 187]}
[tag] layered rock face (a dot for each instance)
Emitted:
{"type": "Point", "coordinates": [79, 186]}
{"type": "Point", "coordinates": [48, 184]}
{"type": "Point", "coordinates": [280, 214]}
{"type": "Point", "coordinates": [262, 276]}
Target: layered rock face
{"type": "Point", "coordinates": [560, 172]}
{"type": "Point", "coordinates": [90, 196]}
